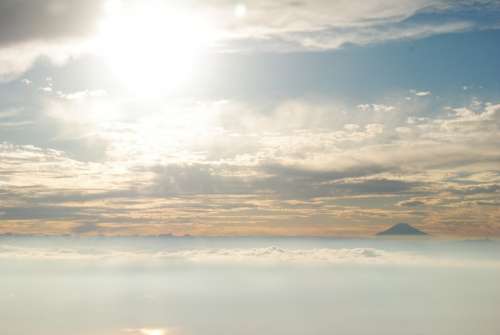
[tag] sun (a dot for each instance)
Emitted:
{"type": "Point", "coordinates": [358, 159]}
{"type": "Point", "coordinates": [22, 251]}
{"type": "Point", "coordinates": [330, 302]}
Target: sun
{"type": "Point", "coordinates": [153, 49]}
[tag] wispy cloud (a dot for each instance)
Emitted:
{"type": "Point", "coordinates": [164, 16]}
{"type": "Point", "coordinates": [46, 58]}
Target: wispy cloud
{"type": "Point", "coordinates": [61, 30]}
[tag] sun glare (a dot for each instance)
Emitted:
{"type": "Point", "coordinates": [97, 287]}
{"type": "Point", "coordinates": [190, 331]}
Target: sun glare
{"type": "Point", "coordinates": [153, 332]}
{"type": "Point", "coordinates": [153, 49]}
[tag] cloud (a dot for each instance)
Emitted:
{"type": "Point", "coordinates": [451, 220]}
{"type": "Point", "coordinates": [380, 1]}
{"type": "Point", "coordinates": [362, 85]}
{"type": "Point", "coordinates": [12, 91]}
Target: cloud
{"type": "Point", "coordinates": [107, 164]}
{"type": "Point", "coordinates": [377, 186]}
{"type": "Point", "coordinates": [251, 256]}
{"type": "Point", "coordinates": [80, 95]}
{"type": "Point", "coordinates": [25, 20]}
{"type": "Point", "coordinates": [376, 108]}
{"type": "Point", "coordinates": [196, 179]}
{"type": "Point", "coordinates": [274, 170]}
{"type": "Point", "coordinates": [411, 203]}
{"type": "Point", "coordinates": [330, 39]}
{"type": "Point", "coordinates": [18, 58]}
{"type": "Point", "coordinates": [55, 29]}
{"type": "Point", "coordinates": [327, 25]}
{"type": "Point", "coordinates": [59, 30]}
{"type": "Point", "coordinates": [422, 93]}
{"type": "Point", "coordinates": [476, 189]}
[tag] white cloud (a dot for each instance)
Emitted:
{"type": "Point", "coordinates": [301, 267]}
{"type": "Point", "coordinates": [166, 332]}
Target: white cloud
{"type": "Point", "coordinates": [351, 127]}
{"type": "Point", "coordinates": [46, 89]}
{"type": "Point", "coordinates": [17, 58]}
{"type": "Point", "coordinates": [376, 108]}
{"type": "Point", "coordinates": [251, 256]}
{"type": "Point", "coordinates": [423, 93]}
{"type": "Point", "coordinates": [283, 17]}
{"type": "Point", "coordinates": [54, 170]}
{"type": "Point", "coordinates": [334, 39]}
{"type": "Point", "coordinates": [80, 95]}
{"type": "Point", "coordinates": [55, 29]}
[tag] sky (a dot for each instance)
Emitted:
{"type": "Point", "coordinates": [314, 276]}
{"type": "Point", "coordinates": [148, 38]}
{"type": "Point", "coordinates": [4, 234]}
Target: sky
{"type": "Point", "coordinates": [303, 118]}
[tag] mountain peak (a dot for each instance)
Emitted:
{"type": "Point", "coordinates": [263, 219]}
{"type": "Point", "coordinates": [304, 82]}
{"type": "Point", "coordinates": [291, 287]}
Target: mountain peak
{"type": "Point", "coordinates": [402, 229]}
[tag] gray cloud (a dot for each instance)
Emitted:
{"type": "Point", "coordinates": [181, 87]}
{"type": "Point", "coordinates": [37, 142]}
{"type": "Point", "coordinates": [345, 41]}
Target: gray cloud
{"type": "Point", "coordinates": [476, 189]}
{"type": "Point", "coordinates": [28, 213]}
{"type": "Point", "coordinates": [411, 203]}
{"type": "Point", "coordinates": [377, 186]}
{"type": "Point", "coordinates": [55, 29]}
{"type": "Point", "coordinates": [172, 180]}
{"type": "Point", "coordinates": [29, 20]}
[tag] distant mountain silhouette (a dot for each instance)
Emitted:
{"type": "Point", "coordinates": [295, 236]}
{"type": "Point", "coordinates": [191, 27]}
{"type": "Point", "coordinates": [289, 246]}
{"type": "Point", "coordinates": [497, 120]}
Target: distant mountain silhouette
{"type": "Point", "coordinates": [402, 229]}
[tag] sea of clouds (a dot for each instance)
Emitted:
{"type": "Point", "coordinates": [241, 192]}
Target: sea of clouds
{"type": "Point", "coordinates": [244, 256]}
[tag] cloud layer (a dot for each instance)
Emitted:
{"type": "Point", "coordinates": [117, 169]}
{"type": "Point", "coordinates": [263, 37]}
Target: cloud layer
{"type": "Point", "coordinates": [375, 164]}
{"type": "Point", "coordinates": [252, 256]}
{"type": "Point", "coordinates": [274, 144]}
